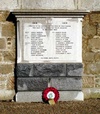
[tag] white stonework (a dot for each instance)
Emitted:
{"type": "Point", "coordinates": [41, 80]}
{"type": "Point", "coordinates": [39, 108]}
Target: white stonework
{"type": "Point", "coordinates": [48, 4]}
{"type": "Point", "coordinates": [29, 97]}
{"type": "Point", "coordinates": [92, 5]}
{"type": "Point", "coordinates": [37, 96]}
{"type": "Point", "coordinates": [8, 4]}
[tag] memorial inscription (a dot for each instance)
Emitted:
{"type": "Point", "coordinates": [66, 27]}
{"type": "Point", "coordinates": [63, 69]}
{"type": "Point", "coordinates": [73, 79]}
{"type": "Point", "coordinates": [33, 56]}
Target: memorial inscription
{"type": "Point", "coordinates": [54, 40]}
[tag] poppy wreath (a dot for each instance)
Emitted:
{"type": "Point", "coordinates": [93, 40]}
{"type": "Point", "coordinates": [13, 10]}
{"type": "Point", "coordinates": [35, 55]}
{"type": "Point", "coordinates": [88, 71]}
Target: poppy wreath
{"type": "Point", "coordinates": [50, 93]}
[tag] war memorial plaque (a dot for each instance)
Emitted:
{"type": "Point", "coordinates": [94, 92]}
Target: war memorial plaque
{"type": "Point", "coordinates": [49, 54]}
{"type": "Point", "coordinates": [54, 40]}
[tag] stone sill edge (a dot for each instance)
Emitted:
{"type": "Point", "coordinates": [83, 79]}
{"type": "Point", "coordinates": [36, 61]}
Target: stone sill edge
{"type": "Point", "coordinates": [50, 12]}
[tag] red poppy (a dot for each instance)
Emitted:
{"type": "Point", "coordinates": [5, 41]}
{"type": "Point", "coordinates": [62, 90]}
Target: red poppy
{"type": "Point", "coordinates": [50, 93]}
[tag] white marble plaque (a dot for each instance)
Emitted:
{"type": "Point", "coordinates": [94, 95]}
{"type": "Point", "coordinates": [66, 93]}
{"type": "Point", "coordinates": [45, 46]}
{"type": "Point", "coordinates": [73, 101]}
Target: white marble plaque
{"type": "Point", "coordinates": [54, 40]}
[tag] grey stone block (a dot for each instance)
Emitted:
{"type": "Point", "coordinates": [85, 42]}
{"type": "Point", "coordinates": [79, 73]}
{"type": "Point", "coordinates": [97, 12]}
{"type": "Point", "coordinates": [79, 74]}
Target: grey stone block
{"type": "Point", "coordinates": [23, 69]}
{"type": "Point", "coordinates": [32, 84]}
{"type": "Point", "coordinates": [74, 69]}
{"type": "Point", "coordinates": [35, 96]}
{"type": "Point", "coordinates": [69, 83]}
{"type": "Point", "coordinates": [49, 70]}
{"type": "Point", "coordinates": [40, 70]}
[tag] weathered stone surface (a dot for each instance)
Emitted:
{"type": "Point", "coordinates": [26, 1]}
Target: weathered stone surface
{"type": "Point", "coordinates": [32, 84]}
{"type": "Point", "coordinates": [98, 30]}
{"type": "Point", "coordinates": [88, 81]}
{"type": "Point", "coordinates": [2, 85]}
{"type": "Point", "coordinates": [48, 4]}
{"type": "Point", "coordinates": [97, 57]}
{"type": "Point", "coordinates": [7, 94]}
{"type": "Point", "coordinates": [11, 44]}
{"type": "Point", "coordinates": [94, 43]}
{"type": "Point", "coordinates": [0, 30]}
{"type": "Point", "coordinates": [49, 70]}
{"type": "Point", "coordinates": [91, 93]}
{"type": "Point", "coordinates": [41, 70]}
{"type": "Point", "coordinates": [74, 69]}
{"type": "Point", "coordinates": [8, 29]}
{"type": "Point", "coordinates": [8, 4]}
{"type": "Point", "coordinates": [85, 20]}
{"type": "Point", "coordinates": [95, 17]}
{"type": "Point", "coordinates": [23, 69]}
{"type": "Point", "coordinates": [93, 5]}
{"type": "Point", "coordinates": [89, 56]}
{"type": "Point", "coordinates": [96, 5]}
{"type": "Point", "coordinates": [10, 83]}
{"type": "Point", "coordinates": [89, 30]}
{"type": "Point", "coordinates": [84, 46]}
{"type": "Point", "coordinates": [71, 96]}
{"type": "Point", "coordinates": [1, 57]}
{"type": "Point", "coordinates": [54, 4]}
{"type": "Point", "coordinates": [93, 68]}
{"type": "Point", "coordinates": [6, 69]}
{"type": "Point", "coordinates": [3, 78]}
{"type": "Point", "coordinates": [3, 15]}
{"type": "Point", "coordinates": [70, 83]}
{"type": "Point", "coordinates": [96, 37]}
{"type": "Point", "coordinates": [84, 4]}
{"type": "Point", "coordinates": [97, 81]}
{"type": "Point", "coordinates": [9, 56]}
{"type": "Point", "coordinates": [2, 43]}
{"type": "Point", "coordinates": [35, 96]}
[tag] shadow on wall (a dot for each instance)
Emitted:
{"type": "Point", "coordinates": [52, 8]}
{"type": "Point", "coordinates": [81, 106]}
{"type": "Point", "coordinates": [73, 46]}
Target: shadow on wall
{"type": "Point", "coordinates": [12, 18]}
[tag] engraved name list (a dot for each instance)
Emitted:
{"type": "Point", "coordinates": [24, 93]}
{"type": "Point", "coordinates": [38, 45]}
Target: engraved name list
{"type": "Point", "coordinates": [51, 40]}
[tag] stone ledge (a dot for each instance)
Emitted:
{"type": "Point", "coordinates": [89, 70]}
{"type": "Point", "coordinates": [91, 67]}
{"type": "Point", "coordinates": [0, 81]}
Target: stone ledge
{"type": "Point", "coordinates": [39, 84]}
{"type": "Point", "coordinates": [37, 96]}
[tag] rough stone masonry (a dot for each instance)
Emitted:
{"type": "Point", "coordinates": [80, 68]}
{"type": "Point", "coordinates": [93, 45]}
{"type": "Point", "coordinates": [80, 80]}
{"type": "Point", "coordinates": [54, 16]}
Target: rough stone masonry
{"type": "Point", "coordinates": [91, 48]}
{"type": "Point", "coordinates": [7, 57]}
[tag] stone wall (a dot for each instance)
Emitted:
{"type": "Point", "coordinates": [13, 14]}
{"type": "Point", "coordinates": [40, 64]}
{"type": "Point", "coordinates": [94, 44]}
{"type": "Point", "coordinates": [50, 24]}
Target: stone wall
{"type": "Point", "coordinates": [7, 57]}
{"type": "Point", "coordinates": [91, 41]}
{"type": "Point", "coordinates": [91, 54]}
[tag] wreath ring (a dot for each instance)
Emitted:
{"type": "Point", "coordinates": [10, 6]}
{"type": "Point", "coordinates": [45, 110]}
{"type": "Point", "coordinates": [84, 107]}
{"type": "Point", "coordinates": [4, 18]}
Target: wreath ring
{"type": "Point", "coordinates": [50, 93]}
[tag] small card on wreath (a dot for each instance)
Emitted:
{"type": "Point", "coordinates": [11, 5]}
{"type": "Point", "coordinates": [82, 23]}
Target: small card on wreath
{"type": "Point", "coordinates": [51, 101]}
